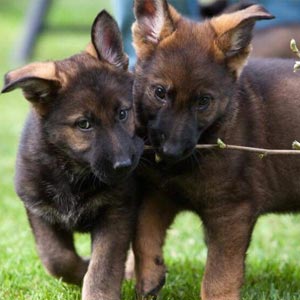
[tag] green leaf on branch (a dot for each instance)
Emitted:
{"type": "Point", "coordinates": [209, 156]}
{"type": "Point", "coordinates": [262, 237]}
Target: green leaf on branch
{"type": "Point", "coordinates": [296, 145]}
{"type": "Point", "coordinates": [294, 48]}
{"type": "Point", "coordinates": [221, 144]}
{"type": "Point", "coordinates": [262, 155]}
{"type": "Point", "coordinates": [297, 66]}
{"type": "Point", "coordinates": [157, 158]}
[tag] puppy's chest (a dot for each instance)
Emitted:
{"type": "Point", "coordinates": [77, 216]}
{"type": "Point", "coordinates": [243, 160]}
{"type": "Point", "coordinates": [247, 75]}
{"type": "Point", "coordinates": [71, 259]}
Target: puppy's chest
{"type": "Point", "coordinates": [74, 210]}
{"type": "Point", "coordinates": [198, 186]}
{"type": "Point", "coordinates": [195, 190]}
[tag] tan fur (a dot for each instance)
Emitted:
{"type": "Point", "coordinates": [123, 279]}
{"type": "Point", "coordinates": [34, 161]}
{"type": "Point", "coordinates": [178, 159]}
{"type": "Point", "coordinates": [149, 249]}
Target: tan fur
{"type": "Point", "coordinates": [228, 35]}
{"type": "Point", "coordinates": [226, 22]}
{"type": "Point", "coordinates": [45, 70]}
{"type": "Point", "coordinates": [27, 76]}
{"type": "Point", "coordinates": [90, 49]}
{"type": "Point", "coordinates": [142, 45]}
{"type": "Point", "coordinates": [76, 140]}
{"type": "Point", "coordinates": [148, 252]}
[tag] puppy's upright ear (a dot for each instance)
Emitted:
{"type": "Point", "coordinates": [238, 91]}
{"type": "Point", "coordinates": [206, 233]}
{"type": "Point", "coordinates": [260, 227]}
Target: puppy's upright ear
{"type": "Point", "coordinates": [107, 41]}
{"type": "Point", "coordinates": [155, 20]}
{"type": "Point", "coordinates": [234, 35]}
{"type": "Point", "coordinates": [38, 81]}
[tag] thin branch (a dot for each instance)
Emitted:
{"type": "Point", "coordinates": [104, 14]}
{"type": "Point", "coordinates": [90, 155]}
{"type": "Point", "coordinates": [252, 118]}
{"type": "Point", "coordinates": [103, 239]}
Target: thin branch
{"type": "Point", "coordinates": [261, 151]}
{"type": "Point", "coordinates": [251, 149]}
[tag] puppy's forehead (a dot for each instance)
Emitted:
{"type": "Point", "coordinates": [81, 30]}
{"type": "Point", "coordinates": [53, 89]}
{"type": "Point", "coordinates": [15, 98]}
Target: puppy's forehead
{"type": "Point", "coordinates": [185, 57]}
{"type": "Point", "coordinates": [87, 71]}
{"type": "Point", "coordinates": [94, 86]}
{"type": "Point", "coordinates": [102, 102]}
{"type": "Point", "coordinates": [99, 99]}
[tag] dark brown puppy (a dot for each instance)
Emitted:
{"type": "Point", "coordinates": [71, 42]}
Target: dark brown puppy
{"type": "Point", "coordinates": [191, 87]}
{"type": "Point", "coordinates": [77, 149]}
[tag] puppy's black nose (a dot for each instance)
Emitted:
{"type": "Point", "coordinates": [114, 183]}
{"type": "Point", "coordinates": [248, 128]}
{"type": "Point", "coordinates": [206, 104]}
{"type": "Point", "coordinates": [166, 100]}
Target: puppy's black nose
{"type": "Point", "coordinates": [122, 164]}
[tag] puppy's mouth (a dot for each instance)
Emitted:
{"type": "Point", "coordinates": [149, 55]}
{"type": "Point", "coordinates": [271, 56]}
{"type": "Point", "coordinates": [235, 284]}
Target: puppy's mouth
{"type": "Point", "coordinates": [161, 156]}
{"type": "Point", "coordinates": [113, 177]}
{"type": "Point", "coordinates": [169, 151]}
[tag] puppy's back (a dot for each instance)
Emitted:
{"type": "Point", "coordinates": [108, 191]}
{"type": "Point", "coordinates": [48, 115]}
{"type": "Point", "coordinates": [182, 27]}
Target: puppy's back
{"type": "Point", "coordinates": [275, 88]}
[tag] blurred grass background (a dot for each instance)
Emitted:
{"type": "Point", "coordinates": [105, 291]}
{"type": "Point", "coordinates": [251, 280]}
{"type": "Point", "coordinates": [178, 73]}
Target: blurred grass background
{"type": "Point", "coordinates": [273, 265]}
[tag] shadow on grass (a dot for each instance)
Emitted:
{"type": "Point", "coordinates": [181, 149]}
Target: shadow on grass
{"type": "Point", "coordinates": [272, 280]}
{"type": "Point", "coordinates": [182, 282]}
{"type": "Point", "coordinates": [266, 281]}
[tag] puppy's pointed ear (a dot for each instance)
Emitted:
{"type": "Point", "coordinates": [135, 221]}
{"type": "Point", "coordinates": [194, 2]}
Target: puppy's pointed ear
{"type": "Point", "coordinates": [155, 21]}
{"type": "Point", "coordinates": [37, 80]}
{"type": "Point", "coordinates": [107, 41]}
{"type": "Point", "coordinates": [234, 35]}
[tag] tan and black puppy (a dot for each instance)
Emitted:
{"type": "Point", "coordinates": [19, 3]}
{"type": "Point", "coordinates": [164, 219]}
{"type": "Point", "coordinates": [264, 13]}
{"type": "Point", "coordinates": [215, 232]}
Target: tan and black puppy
{"type": "Point", "coordinates": [192, 87]}
{"type": "Point", "coordinates": [76, 152]}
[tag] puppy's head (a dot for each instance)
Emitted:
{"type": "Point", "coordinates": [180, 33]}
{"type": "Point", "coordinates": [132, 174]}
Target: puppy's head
{"type": "Point", "coordinates": [186, 71]}
{"type": "Point", "coordinates": [84, 104]}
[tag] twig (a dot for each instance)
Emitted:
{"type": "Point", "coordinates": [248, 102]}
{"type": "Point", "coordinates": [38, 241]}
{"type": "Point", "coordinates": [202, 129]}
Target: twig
{"type": "Point", "coordinates": [294, 48]}
{"type": "Point", "coordinates": [261, 151]}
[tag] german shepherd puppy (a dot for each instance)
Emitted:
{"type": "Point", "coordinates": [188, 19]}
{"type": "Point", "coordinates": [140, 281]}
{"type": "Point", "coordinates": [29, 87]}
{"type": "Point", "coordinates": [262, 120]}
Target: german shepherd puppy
{"type": "Point", "coordinates": [77, 149]}
{"type": "Point", "coordinates": [192, 87]}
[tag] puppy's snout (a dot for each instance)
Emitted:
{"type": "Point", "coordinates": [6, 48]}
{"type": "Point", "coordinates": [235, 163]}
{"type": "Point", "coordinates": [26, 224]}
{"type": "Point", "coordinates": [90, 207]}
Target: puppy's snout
{"type": "Point", "coordinates": [172, 151]}
{"type": "Point", "coordinates": [157, 137]}
{"type": "Point", "coordinates": [162, 137]}
{"type": "Point", "coordinates": [122, 164]}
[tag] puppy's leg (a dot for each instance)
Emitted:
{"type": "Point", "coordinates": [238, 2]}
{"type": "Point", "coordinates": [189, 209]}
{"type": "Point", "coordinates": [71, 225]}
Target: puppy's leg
{"type": "Point", "coordinates": [155, 216]}
{"type": "Point", "coordinates": [56, 249]}
{"type": "Point", "coordinates": [228, 233]}
{"type": "Point", "coordinates": [110, 243]}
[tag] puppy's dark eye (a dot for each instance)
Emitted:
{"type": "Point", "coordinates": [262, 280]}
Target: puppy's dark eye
{"type": "Point", "coordinates": [203, 102]}
{"type": "Point", "coordinates": [84, 124]}
{"type": "Point", "coordinates": [123, 115]}
{"type": "Point", "coordinates": [160, 93]}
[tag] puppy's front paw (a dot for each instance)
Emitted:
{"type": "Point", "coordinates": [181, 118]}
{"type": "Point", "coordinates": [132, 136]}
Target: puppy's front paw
{"type": "Point", "coordinates": [148, 289]}
{"type": "Point", "coordinates": [148, 297]}
{"type": "Point", "coordinates": [93, 290]}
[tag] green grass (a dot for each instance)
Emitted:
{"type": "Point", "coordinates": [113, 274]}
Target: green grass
{"type": "Point", "coordinates": [273, 265]}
